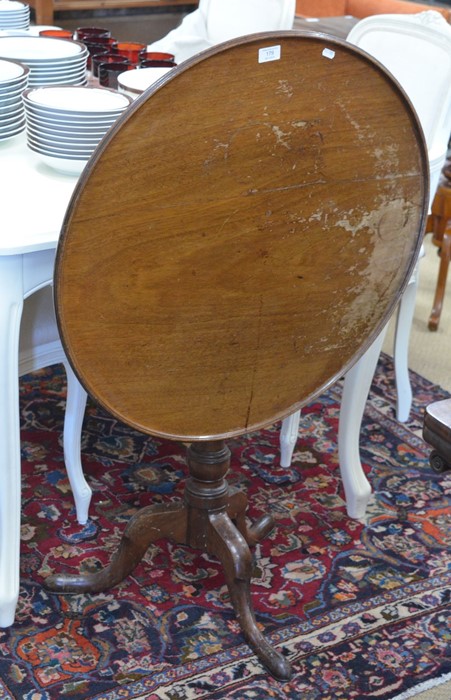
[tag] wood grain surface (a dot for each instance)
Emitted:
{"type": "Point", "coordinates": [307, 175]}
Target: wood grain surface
{"type": "Point", "coordinates": [241, 236]}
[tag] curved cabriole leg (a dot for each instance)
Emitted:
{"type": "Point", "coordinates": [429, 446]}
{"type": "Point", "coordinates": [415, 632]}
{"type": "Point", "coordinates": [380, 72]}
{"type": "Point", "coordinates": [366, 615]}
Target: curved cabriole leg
{"type": "Point", "coordinates": [147, 526]}
{"type": "Point", "coordinates": [232, 550]}
{"type": "Point", "coordinates": [236, 510]}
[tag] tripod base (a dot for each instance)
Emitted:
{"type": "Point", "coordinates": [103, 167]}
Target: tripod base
{"type": "Point", "coordinates": [212, 519]}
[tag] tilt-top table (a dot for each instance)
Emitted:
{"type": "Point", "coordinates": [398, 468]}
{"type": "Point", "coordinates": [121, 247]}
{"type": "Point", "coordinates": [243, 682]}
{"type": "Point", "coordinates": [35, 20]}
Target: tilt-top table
{"type": "Point", "coordinates": [239, 239]}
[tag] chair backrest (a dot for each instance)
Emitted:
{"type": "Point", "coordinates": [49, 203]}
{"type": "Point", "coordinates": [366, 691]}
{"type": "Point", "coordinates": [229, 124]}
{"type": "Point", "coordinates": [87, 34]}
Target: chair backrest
{"type": "Point", "coordinates": [416, 49]}
{"type": "Point", "coordinates": [227, 20]}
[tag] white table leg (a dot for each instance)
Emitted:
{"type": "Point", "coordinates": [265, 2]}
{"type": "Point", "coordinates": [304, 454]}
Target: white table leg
{"type": "Point", "coordinates": [11, 303]}
{"type": "Point", "coordinates": [289, 432]}
{"type": "Point", "coordinates": [404, 320]}
{"type": "Point", "coordinates": [356, 388]}
{"type": "Point", "coordinates": [73, 421]}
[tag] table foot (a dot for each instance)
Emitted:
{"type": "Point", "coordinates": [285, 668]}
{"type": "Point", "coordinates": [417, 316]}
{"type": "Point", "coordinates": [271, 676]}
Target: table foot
{"type": "Point", "coordinates": [147, 526]}
{"type": "Point", "coordinates": [231, 548]}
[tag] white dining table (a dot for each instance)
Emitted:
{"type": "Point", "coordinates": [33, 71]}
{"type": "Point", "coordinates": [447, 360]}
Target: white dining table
{"type": "Point", "coordinates": [33, 201]}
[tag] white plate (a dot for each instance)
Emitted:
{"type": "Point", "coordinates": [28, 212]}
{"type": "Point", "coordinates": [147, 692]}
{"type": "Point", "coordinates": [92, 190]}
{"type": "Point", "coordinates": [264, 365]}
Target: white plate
{"type": "Point", "coordinates": [134, 82]}
{"type": "Point", "coordinates": [13, 90]}
{"type": "Point", "coordinates": [59, 72]}
{"type": "Point", "coordinates": [81, 100]}
{"type": "Point", "coordinates": [77, 81]}
{"type": "Point", "coordinates": [12, 6]}
{"type": "Point", "coordinates": [12, 131]}
{"type": "Point", "coordinates": [20, 25]}
{"type": "Point", "coordinates": [39, 48]}
{"type": "Point", "coordinates": [11, 111]}
{"type": "Point", "coordinates": [8, 100]}
{"type": "Point", "coordinates": [11, 71]}
{"type": "Point", "coordinates": [11, 120]}
{"type": "Point", "coordinates": [36, 28]}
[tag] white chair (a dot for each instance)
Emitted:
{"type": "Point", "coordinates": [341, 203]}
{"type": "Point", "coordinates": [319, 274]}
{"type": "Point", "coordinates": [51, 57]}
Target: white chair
{"type": "Point", "coordinates": [216, 21]}
{"type": "Point", "coordinates": [416, 49]}
{"type": "Point", "coordinates": [40, 347]}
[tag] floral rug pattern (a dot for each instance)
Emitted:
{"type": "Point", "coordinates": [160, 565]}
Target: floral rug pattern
{"type": "Point", "coordinates": [362, 610]}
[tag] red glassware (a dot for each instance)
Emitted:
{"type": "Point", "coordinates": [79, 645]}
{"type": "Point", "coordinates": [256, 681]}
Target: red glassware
{"type": "Point", "coordinates": [57, 33]}
{"type": "Point", "coordinates": [82, 32]}
{"type": "Point", "coordinates": [101, 58]}
{"type": "Point", "coordinates": [156, 64]}
{"type": "Point", "coordinates": [156, 56]}
{"type": "Point", "coordinates": [108, 73]}
{"type": "Point", "coordinates": [129, 49]}
{"type": "Point", "coordinates": [92, 50]}
{"type": "Point", "coordinates": [107, 41]}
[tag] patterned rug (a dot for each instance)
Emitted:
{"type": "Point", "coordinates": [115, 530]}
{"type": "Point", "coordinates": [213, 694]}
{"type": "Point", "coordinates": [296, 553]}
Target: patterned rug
{"type": "Point", "coordinates": [361, 610]}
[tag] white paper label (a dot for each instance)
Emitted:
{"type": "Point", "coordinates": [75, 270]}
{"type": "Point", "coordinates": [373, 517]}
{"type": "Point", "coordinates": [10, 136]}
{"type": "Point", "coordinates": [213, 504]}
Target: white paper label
{"type": "Point", "coordinates": [271, 53]}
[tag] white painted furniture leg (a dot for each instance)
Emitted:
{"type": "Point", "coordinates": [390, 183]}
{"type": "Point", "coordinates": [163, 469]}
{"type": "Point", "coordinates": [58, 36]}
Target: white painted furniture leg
{"type": "Point", "coordinates": [10, 503]}
{"type": "Point", "coordinates": [404, 319]}
{"type": "Point", "coordinates": [289, 432]}
{"type": "Point", "coordinates": [356, 388]}
{"type": "Point", "coordinates": [40, 346]}
{"type": "Point", "coordinates": [73, 422]}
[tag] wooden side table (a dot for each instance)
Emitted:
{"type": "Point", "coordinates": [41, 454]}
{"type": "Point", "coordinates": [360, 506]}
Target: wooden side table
{"type": "Point", "coordinates": [439, 224]}
{"type": "Point", "coordinates": [239, 239]}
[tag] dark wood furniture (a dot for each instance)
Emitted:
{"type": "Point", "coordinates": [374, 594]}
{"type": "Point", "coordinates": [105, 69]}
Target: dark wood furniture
{"type": "Point", "coordinates": [240, 237]}
{"type": "Point", "coordinates": [45, 9]}
{"type": "Point", "coordinates": [439, 224]}
{"type": "Point", "coordinates": [437, 433]}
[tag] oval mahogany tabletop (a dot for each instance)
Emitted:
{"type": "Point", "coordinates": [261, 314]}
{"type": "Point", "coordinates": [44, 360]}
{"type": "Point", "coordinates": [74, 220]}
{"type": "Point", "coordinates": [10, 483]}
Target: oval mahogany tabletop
{"type": "Point", "coordinates": [241, 235]}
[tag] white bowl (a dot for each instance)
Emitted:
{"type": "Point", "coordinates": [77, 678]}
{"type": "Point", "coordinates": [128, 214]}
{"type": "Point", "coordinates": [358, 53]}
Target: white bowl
{"type": "Point", "coordinates": [68, 126]}
{"type": "Point", "coordinates": [63, 151]}
{"type": "Point", "coordinates": [134, 82]}
{"type": "Point", "coordinates": [67, 166]}
{"type": "Point", "coordinates": [58, 140]}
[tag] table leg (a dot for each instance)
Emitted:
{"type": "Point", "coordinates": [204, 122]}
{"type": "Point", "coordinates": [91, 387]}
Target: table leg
{"type": "Point", "coordinates": [11, 304]}
{"type": "Point", "coordinates": [356, 388]}
{"type": "Point", "coordinates": [445, 255]}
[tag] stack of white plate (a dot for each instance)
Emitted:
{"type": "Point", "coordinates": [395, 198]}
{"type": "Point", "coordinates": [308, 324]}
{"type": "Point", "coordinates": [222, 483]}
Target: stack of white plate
{"type": "Point", "coordinates": [13, 81]}
{"type": "Point", "coordinates": [51, 61]}
{"type": "Point", "coordinates": [14, 15]}
{"type": "Point", "coordinates": [65, 124]}
{"type": "Point", "coordinates": [134, 82]}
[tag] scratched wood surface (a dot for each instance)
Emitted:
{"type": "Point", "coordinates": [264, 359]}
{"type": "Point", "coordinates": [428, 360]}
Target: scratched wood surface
{"type": "Point", "coordinates": [241, 236]}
